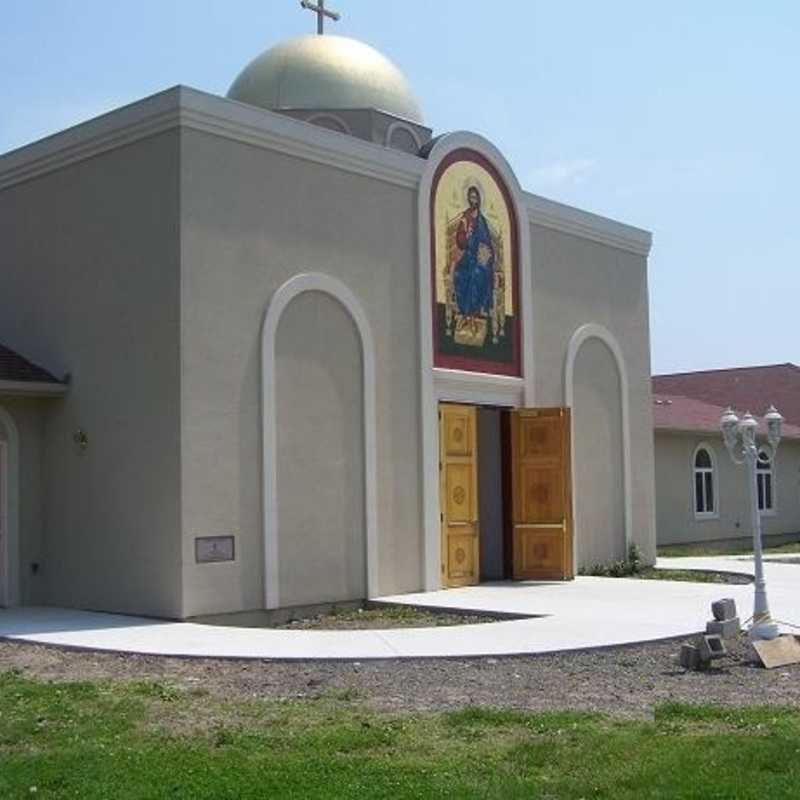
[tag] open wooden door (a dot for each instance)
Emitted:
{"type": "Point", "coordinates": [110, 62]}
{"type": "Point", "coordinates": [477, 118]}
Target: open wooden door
{"type": "Point", "coordinates": [458, 488]}
{"type": "Point", "coordinates": [541, 494]}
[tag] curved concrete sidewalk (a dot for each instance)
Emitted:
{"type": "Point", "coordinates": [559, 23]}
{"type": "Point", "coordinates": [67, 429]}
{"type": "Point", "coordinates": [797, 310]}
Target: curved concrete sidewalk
{"type": "Point", "coordinates": [586, 613]}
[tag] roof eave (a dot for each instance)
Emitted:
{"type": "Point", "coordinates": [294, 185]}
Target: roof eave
{"type": "Point", "coordinates": [790, 437]}
{"type": "Point", "coordinates": [32, 389]}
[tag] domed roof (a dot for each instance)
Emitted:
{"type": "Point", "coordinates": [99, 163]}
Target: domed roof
{"type": "Point", "coordinates": [325, 72]}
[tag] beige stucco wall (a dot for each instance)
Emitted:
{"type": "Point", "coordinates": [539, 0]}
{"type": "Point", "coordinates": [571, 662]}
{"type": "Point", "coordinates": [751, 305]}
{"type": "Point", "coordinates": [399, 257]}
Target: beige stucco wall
{"type": "Point", "coordinates": [676, 521]}
{"type": "Point", "coordinates": [89, 285]}
{"type": "Point", "coordinates": [252, 219]}
{"type": "Point", "coordinates": [575, 282]}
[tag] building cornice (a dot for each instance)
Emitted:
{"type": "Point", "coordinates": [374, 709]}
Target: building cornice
{"type": "Point", "coordinates": [182, 107]}
{"type": "Point", "coordinates": [110, 131]}
{"type": "Point", "coordinates": [585, 225]}
{"type": "Point", "coordinates": [239, 122]}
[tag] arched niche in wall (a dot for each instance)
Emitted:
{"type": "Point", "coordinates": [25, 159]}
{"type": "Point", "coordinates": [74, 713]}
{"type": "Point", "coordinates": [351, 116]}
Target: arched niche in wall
{"type": "Point", "coordinates": [402, 137]}
{"type": "Point", "coordinates": [318, 388]}
{"type": "Point", "coordinates": [596, 389]}
{"type": "Point", "coordinates": [330, 122]}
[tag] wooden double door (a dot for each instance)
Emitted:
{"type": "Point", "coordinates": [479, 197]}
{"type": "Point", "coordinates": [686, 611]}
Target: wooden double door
{"type": "Point", "coordinates": [537, 499]}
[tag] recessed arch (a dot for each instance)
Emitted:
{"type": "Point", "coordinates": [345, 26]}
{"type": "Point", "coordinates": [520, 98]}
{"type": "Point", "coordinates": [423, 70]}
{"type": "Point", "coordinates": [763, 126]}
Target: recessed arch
{"type": "Point", "coordinates": [331, 122]}
{"type": "Point", "coordinates": [398, 126]}
{"type": "Point", "coordinates": [314, 282]}
{"type": "Point", "coordinates": [583, 334]}
{"type": "Point", "coordinates": [9, 497]}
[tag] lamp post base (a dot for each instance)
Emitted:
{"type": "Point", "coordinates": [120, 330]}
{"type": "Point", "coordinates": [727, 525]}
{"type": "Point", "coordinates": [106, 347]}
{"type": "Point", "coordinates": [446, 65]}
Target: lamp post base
{"type": "Point", "coordinates": [764, 629]}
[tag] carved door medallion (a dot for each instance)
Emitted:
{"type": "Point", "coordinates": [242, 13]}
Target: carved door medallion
{"type": "Point", "coordinates": [458, 478]}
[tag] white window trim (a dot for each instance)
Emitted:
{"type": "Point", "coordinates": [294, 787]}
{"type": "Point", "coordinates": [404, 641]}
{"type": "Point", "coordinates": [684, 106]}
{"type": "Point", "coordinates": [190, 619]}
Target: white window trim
{"type": "Point", "coordinates": [703, 516]}
{"type": "Point", "coordinates": [769, 512]}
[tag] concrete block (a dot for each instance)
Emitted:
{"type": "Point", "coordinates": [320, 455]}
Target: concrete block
{"type": "Point", "coordinates": [727, 629]}
{"type": "Point", "coordinates": [724, 609]}
{"type": "Point", "coordinates": [710, 647]}
{"type": "Point", "coordinates": [689, 657]}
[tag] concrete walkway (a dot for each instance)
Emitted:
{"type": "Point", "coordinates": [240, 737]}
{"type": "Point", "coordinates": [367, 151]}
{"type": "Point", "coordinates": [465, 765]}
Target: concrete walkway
{"type": "Point", "coordinates": [585, 613]}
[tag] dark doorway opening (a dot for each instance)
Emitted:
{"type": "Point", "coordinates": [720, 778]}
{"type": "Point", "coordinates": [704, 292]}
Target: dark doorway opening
{"type": "Point", "coordinates": [494, 493]}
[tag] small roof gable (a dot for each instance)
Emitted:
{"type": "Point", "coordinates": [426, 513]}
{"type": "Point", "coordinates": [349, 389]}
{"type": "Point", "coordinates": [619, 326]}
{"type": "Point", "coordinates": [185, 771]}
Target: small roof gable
{"type": "Point", "coordinates": [752, 389]}
{"type": "Point", "coordinates": [16, 369]}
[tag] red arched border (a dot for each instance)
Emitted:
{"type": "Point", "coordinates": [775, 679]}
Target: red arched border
{"type": "Point", "coordinates": [460, 362]}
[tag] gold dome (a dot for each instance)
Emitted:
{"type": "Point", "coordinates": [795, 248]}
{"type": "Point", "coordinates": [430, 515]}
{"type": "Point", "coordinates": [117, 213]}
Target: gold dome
{"type": "Point", "coordinates": [325, 72]}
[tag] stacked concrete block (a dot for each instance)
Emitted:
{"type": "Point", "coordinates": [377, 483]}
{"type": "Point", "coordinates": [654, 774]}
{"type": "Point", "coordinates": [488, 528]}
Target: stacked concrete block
{"type": "Point", "coordinates": [725, 622]}
{"type": "Point", "coordinates": [711, 645]}
{"type": "Point", "coordinates": [689, 657]}
{"type": "Point", "coordinates": [706, 648]}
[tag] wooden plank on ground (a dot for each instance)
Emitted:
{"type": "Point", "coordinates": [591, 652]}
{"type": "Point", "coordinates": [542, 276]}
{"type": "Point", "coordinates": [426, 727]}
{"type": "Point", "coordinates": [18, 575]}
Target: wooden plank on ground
{"type": "Point", "coordinates": [778, 652]}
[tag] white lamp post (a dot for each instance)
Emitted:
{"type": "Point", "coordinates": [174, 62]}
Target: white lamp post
{"type": "Point", "coordinates": [740, 439]}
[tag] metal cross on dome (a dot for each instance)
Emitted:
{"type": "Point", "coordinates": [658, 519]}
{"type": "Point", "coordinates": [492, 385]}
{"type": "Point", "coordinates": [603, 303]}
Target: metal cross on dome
{"type": "Point", "coordinates": [319, 9]}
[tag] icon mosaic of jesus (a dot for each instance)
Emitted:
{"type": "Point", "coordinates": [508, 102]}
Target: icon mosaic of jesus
{"type": "Point", "coordinates": [473, 271]}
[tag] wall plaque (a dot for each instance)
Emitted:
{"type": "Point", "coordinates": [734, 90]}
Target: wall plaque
{"type": "Point", "coordinates": [210, 549]}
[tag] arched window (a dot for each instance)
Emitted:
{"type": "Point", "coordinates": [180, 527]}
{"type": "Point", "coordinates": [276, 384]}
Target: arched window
{"type": "Point", "coordinates": [705, 503]}
{"type": "Point", "coordinates": [765, 483]}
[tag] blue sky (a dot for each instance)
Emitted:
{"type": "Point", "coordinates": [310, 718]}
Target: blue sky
{"type": "Point", "coordinates": [682, 118]}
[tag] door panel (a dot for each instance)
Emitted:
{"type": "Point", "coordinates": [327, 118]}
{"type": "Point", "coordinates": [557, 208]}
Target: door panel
{"type": "Point", "coordinates": [460, 493]}
{"type": "Point", "coordinates": [541, 495]}
{"type": "Point", "coordinates": [458, 487]}
{"type": "Point", "coordinates": [543, 491]}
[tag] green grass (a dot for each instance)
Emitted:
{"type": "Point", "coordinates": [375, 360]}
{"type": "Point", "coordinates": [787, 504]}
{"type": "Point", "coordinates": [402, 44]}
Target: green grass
{"type": "Point", "coordinates": [681, 550]}
{"type": "Point", "coordinates": [148, 740]}
{"type": "Point", "coordinates": [343, 618]}
{"type": "Point", "coordinates": [688, 575]}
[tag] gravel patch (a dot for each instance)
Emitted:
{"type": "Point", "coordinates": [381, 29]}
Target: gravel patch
{"type": "Point", "coordinates": [625, 681]}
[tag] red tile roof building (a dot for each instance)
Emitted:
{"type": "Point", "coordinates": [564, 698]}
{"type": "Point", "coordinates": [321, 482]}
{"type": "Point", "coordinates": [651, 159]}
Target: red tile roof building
{"type": "Point", "coordinates": [701, 494]}
{"type": "Point", "coordinates": [751, 389]}
{"type": "Point", "coordinates": [687, 415]}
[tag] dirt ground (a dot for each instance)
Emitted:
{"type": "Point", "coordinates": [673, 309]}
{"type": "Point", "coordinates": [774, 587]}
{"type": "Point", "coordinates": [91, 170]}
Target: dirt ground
{"type": "Point", "coordinates": [384, 617]}
{"type": "Point", "coordinates": [626, 681]}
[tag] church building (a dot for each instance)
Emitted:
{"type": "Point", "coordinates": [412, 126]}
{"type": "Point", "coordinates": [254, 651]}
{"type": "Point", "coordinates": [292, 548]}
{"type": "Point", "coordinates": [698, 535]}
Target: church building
{"type": "Point", "coordinates": [288, 347]}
